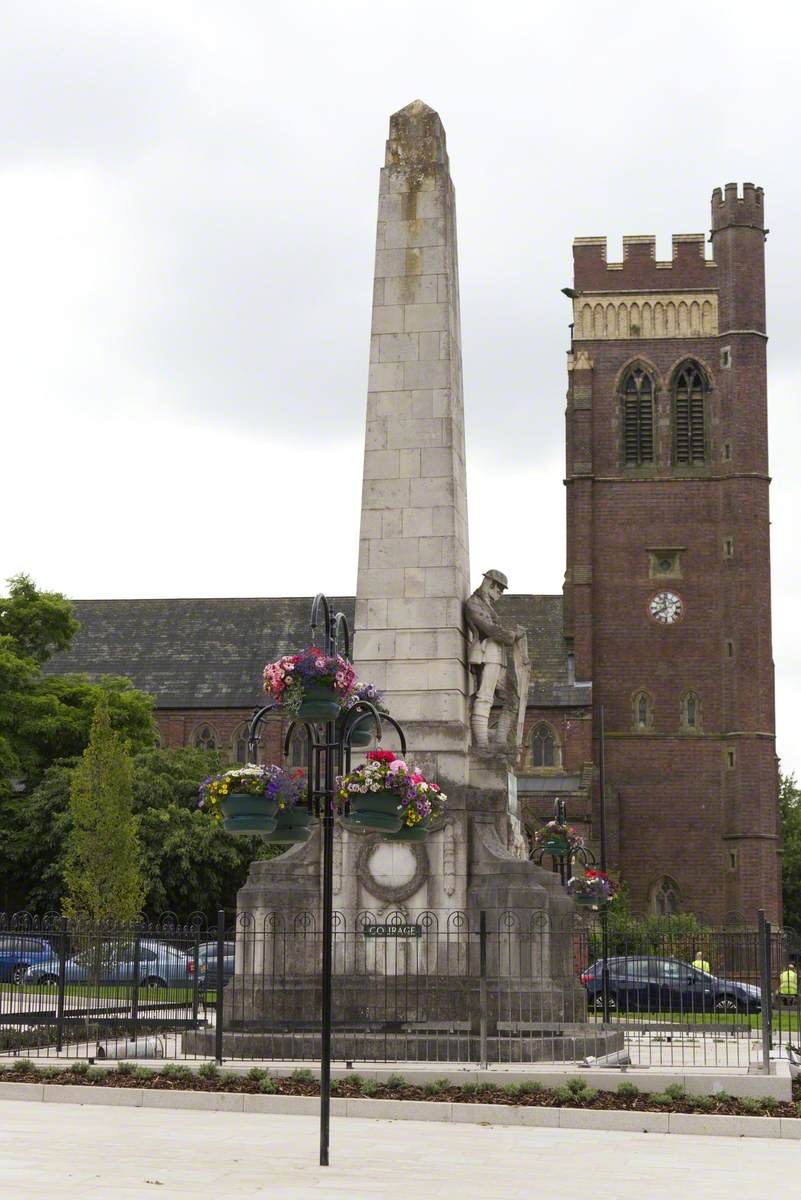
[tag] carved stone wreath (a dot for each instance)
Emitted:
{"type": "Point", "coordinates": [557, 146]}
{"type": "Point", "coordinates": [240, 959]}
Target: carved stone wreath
{"type": "Point", "coordinates": [383, 891]}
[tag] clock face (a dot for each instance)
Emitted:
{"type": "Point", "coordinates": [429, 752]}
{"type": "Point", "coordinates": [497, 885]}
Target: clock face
{"type": "Point", "coordinates": [666, 607]}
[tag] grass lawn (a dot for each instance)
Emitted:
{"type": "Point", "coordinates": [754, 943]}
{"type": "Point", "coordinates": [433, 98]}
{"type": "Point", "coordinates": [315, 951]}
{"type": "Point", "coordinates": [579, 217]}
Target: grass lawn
{"type": "Point", "coordinates": [84, 991]}
{"type": "Point", "coordinates": [784, 1020]}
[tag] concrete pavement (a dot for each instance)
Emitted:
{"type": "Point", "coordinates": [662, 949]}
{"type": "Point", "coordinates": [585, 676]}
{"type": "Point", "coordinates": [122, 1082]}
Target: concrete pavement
{"type": "Point", "coordinates": [62, 1151]}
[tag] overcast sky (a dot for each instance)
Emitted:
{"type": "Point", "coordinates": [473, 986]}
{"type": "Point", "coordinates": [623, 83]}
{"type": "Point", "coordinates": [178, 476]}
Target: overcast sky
{"type": "Point", "coordinates": [187, 205]}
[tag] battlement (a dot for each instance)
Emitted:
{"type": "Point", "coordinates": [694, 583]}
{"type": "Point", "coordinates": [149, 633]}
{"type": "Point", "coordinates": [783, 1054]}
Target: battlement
{"type": "Point", "coordinates": [729, 208]}
{"type": "Point", "coordinates": [640, 270]}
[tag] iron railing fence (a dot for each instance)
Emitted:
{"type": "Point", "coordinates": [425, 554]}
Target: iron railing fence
{"type": "Point", "coordinates": [433, 987]}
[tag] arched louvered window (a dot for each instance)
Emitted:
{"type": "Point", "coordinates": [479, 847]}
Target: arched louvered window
{"type": "Point", "coordinates": [638, 417]}
{"type": "Point", "coordinates": [689, 415]}
{"type": "Point", "coordinates": [544, 751]}
{"type": "Point", "coordinates": [206, 738]}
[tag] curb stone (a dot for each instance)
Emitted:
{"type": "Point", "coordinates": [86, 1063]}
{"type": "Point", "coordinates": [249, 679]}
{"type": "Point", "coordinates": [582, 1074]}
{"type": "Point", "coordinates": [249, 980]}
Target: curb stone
{"type": "Point", "coordinates": [529, 1116]}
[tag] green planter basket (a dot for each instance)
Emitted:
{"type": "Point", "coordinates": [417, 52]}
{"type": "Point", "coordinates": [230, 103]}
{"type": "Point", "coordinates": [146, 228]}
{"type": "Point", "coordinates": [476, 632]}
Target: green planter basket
{"type": "Point", "coordinates": [374, 812]}
{"type": "Point", "coordinates": [320, 703]}
{"type": "Point", "coordinates": [362, 735]}
{"type": "Point", "coordinates": [558, 847]}
{"type": "Point", "coordinates": [412, 833]}
{"type": "Point", "coordinates": [589, 901]}
{"type": "Point", "coordinates": [249, 815]}
{"type": "Point", "coordinates": [292, 825]}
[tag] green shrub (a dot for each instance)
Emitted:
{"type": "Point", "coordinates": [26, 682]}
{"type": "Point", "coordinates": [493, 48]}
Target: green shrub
{"type": "Point", "coordinates": [469, 1089]}
{"type": "Point", "coordinates": [370, 1087]}
{"type": "Point", "coordinates": [302, 1075]}
{"type": "Point", "coordinates": [267, 1086]}
{"type": "Point", "coordinates": [676, 1091]}
{"type": "Point", "coordinates": [142, 1073]}
{"type": "Point", "coordinates": [627, 1091]}
{"type": "Point", "coordinates": [78, 1068]}
{"type": "Point", "coordinates": [750, 1104]}
{"type": "Point", "coordinates": [532, 1087]}
{"type": "Point", "coordinates": [661, 1099]}
{"type": "Point", "coordinates": [436, 1087]}
{"type": "Point", "coordinates": [355, 1081]}
{"type": "Point", "coordinates": [769, 1103]}
{"type": "Point", "coordinates": [396, 1081]}
{"type": "Point", "coordinates": [702, 1103]}
{"type": "Point", "coordinates": [576, 1086]}
{"type": "Point", "coordinates": [511, 1089]}
{"type": "Point", "coordinates": [256, 1074]}
{"type": "Point", "coordinates": [563, 1094]}
{"type": "Point", "coordinates": [126, 1068]}
{"type": "Point", "coordinates": [95, 1075]}
{"type": "Point", "coordinates": [175, 1071]}
{"type": "Point", "coordinates": [24, 1064]}
{"type": "Point", "coordinates": [209, 1070]}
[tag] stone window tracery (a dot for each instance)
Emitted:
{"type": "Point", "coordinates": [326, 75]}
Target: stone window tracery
{"type": "Point", "coordinates": [643, 710]}
{"type": "Point", "coordinates": [206, 738]}
{"type": "Point", "coordinates": [665, 897]}
{"type": "Point", "coordinates": [691, 712]}
{"type": "Point", "coordinates": [299, 750]}
{"type": "Point", "coordinates": [545, 749]}
{"type": "Point", "coordinates": [239, 745]}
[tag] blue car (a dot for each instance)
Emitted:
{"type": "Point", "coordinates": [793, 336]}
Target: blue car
{"type": "Point", "coordinates": [667, 985]}
{"type": "Point", "coordinates": [19, 951]}
{"type": "Point", "coordinates": [160, 965]}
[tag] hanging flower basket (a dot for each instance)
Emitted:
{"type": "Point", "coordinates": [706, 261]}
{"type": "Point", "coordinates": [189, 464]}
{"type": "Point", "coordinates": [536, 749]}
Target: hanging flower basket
{"type": "Point", "coordinates": [248, 814]}
{"type": "Point", "coordinates": [319, 703]}
{"type": "Point", "coordinates": [292, 825]}
{"type": "Point", "coordinates": [294, 820]}
{"type": "Point", "coordinates": [557, 839]}
{"type": "Point", "coordinates": [412, 833]}
{"type": "Point", "coordinates": [311, 686]}
{"type": "Point", "coordinates": [363, 731]}
{"type": "Point", "coordinates": [248, 800]}
{"type": "Point", "coordinates": [592, 890]}
{"type": "Point", "coordinates": [388, 796]}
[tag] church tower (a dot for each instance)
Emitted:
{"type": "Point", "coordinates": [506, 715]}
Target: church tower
{"type": "Point", "coordinates": [667, 586]}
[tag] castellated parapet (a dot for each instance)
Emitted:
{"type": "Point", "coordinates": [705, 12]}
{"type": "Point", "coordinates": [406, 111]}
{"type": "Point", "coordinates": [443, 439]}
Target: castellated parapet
{"type": "Point", "coordinates": [730, 209]}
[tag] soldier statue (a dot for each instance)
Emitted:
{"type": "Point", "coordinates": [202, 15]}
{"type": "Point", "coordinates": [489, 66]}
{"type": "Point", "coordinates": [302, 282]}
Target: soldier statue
{"type": "Point", "coordinates": [498, 659]}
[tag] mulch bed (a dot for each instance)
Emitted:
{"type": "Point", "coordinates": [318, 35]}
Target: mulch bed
{"type": "Point", "coordinates": [576, 1093]}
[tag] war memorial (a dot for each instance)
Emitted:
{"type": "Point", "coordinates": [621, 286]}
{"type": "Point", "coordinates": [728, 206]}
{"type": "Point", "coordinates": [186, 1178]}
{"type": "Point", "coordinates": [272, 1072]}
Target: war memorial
{"type": "Point", "coordinates": [485, 944]}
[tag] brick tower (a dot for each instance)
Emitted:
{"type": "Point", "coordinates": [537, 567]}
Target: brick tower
{"type": "Point", "coordinates": [667, 586]}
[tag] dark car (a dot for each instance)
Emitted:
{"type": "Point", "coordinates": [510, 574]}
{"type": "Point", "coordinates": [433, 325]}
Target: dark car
{"type": "Point", "coordinates": [667, 985]}
{"type": "Point", "coordinates": [207, 965]}
{"type": "Point", "coordinates": [18, 951]}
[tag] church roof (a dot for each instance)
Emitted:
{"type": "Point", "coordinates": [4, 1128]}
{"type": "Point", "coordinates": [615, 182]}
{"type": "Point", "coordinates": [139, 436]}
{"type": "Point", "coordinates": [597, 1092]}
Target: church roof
{"type": "Point", "coordinates": [210, 653]}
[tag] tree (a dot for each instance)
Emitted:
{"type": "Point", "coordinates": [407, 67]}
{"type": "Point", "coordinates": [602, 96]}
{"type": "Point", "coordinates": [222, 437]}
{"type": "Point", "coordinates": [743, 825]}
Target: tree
{"type": "Point", "coordinates": [790, 812]}
{"type": "Point", "coordinates": [102, 863]}
{"type": "Point", "coordinates": [44, 718]}
{"type": "Point", "coordinates": [188, 862]}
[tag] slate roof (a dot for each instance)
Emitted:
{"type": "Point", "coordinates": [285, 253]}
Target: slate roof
{"type": "Point", "coordinates": [210, 653]}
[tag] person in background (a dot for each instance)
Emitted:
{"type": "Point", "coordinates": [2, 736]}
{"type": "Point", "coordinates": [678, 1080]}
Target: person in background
{"type": "Point", "coordinates": [788, 984]}
{"type": "Point", "coordinates": [700, 963]}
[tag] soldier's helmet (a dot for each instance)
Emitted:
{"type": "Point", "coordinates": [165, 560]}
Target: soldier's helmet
{"type": "Point", "coordinates": [497, 577]}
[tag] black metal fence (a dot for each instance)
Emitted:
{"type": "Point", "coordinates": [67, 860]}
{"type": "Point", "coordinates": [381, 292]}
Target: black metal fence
{"type": "Point", "coordinates": [435, 987]}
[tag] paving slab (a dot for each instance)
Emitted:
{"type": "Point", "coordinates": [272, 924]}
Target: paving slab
{"type": "Point", "coordinates": [63, 1152]}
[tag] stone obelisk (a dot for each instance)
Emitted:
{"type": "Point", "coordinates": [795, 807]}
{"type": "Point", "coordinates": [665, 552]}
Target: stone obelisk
{"type": "Point", "coordinates": [413, 562]}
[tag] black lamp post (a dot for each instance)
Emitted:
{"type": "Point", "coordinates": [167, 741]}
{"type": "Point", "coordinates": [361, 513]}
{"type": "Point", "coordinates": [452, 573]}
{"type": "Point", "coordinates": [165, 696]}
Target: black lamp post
{"type": "Point", "coordinates": [329, 756]}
